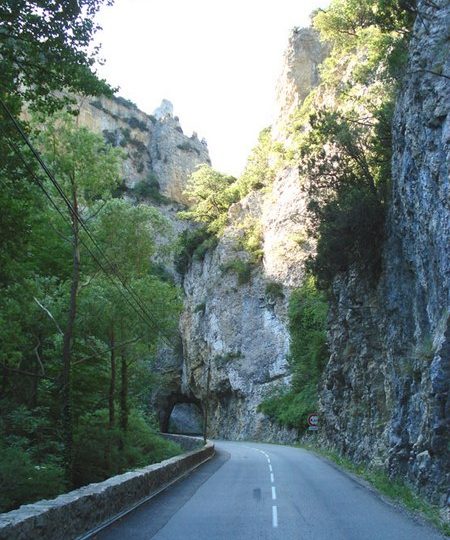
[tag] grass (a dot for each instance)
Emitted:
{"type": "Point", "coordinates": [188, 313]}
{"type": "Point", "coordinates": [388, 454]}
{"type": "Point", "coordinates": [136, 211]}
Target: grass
{"type": "Point", "coordinates": [396, 489]}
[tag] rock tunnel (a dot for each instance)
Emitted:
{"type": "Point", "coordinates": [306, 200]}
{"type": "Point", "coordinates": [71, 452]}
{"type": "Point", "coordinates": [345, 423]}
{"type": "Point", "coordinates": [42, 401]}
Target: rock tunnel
{"type": "Point", "coordinates": [182, 414]}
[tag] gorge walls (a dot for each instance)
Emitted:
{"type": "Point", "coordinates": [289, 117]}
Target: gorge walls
{"type": "Point", "coordinates": [385, 391]}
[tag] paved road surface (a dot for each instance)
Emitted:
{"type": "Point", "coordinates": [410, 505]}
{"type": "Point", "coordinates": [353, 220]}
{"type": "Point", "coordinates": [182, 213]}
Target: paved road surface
{"type": "Point", "coordinates": [252, 491]}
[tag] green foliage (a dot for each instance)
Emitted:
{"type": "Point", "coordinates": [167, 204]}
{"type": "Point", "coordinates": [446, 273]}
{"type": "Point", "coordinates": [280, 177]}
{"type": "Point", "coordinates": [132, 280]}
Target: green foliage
{"type": "Point", "coordinates": [274, 291]}
{"type": "Point", "coordinates": [33, 312]}
{"type": "Point", "coordinates": [188, 147]}
{"type": "Point", "coordinates": [307, 357]}
{"type": "Point", "coordinates": [258, 172]}
{"type": "Point", "coordinates": [22, 480]}
{"type": "Point", "coordinates": [192, 244]}
{"type": "Point", "coordinates": [45, 47]}
{"type": "Point", "coordinates": [222, 360]}
{"type": "Point", "coordinates": [350, 230]}
{"type": "Point", "coordinates": [210, 197]}
{"type": "Point", "coordinates": [243, 270]}
{"type": "Point", "coordinates": [80, 158]}
{"type": "Point", "coordinates": [345, 151]}
{"type": "Point", "coordinates": [200, 308]}
{"type": "Point", "coordinates": [101, 452]}
{"type": "Point", "coordinates": [149, 189]}
{"type": "Point", "coordinates": [251, 239]}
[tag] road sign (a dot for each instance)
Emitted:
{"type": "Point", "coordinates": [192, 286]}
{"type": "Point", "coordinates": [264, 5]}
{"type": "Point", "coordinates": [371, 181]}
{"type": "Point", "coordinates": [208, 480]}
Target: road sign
{"type": "Point", "coordinates": [313, 420]}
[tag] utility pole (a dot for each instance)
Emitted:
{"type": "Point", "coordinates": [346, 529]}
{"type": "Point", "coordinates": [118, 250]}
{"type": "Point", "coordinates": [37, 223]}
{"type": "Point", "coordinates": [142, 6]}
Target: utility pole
{"type": "Point", "coordinates": [206, 406]}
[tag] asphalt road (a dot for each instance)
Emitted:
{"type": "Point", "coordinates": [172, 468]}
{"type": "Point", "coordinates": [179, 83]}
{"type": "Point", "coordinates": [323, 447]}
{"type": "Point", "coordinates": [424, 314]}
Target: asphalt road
{"type": "Point", "coordinates": [251, 491]}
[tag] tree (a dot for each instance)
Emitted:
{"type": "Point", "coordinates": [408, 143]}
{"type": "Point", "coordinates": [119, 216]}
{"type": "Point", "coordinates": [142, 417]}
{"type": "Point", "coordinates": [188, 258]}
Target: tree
{"type": "Point", "coordinates": [87, 170]}
{"type": "Point", "coordinates": [128, 236]}
{"type": "Point", "coordinates": [258, 172]}
{"type": "Point", "coordinates": [210, 196]}
{"type": "Point", "coordinates": [44, 47]}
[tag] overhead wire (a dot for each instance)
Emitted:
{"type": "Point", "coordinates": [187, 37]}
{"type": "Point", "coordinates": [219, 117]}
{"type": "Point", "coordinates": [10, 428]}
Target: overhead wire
{"type": "Point", "coordinates": [143, 313]}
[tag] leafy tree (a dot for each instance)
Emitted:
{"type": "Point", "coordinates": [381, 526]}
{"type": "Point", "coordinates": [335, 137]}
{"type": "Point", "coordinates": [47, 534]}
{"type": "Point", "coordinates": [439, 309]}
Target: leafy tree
{"type": "Point", "coordinates": [345, 150]}
{"type": "Point", "coordinates": [45, 47]}
{"type": "Point", "coordinates": [258, 173]}
{"type": "Point", "coordinates": [86, 169]}
{"type": "Point", "coordinates": [210, 197]}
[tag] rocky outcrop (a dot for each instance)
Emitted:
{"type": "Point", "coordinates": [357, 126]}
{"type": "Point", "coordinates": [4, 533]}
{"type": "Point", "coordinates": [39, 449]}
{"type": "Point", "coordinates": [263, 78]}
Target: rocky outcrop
{"type": "Point", "coordinates": [235, 325]}
{"type": "Point", "coordinates": [157, 152]}
{"type": "Point", "coordinates": [300, 74]}
{"type": "Point", "coordinates": [385, 395]}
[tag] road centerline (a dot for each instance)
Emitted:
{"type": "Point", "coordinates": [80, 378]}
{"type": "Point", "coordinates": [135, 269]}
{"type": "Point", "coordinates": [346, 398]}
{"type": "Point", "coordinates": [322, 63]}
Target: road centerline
{"type": "Point", "coordinates": [274, 516]}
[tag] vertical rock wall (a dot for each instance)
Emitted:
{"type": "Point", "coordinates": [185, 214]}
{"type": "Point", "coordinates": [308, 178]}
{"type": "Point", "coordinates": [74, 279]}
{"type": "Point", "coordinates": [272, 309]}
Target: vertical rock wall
{"type": "Point", "coordinates": [239, 330]}
{"type": "Point", "coordinates": [385, 394]}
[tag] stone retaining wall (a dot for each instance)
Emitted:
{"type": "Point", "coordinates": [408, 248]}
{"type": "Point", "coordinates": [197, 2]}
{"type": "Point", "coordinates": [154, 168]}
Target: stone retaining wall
{"type": "Point", "coordinates": [74, 514]}
{"type": "Point", "coordinates": [186, 442]}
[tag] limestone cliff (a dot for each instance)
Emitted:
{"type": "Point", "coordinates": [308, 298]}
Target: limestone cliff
{"type": "Point", "coordinates": [236, 328]}
{"type": "Point", "coordinates": [300, 74]}
{"type": "Point", "coordinates": [156, 149]}
{"type": "Point", "coordinates": [385, 394]}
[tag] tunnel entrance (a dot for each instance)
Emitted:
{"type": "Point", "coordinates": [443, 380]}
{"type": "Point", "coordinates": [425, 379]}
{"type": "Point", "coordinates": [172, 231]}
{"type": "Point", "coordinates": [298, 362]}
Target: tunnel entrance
{"type": "Point", "coordinates": [183, 416]}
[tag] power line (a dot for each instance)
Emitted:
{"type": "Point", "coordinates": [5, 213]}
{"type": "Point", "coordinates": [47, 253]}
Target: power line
{"type": "Point", "coordinates": [65, 217]}
{"type": "Point", "coordinates": [150, 320]}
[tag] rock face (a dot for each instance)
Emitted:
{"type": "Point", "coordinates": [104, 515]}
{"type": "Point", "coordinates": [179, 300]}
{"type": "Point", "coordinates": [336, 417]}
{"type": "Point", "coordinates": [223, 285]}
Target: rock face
{"type": "Point", "coordinates": [300, 74]}
{"type": "Point", "coordinates": [155, 146]}
{"type": "Point", "coordinates": [234, 329]}
{"type": "Point", "coordinates": [385, 395]}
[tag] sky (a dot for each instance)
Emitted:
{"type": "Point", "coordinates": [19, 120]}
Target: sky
{"type": "Point", "coordinates": [216, 61]}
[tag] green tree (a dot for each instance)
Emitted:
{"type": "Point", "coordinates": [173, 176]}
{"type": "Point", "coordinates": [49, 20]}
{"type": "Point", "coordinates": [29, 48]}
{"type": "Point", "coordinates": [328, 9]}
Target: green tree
{"type": "Point", "coordinates": [45, 47]}
{"type": "Point", "coordinates": [307, 357]}
{"type": "Point", "coordinates": [258, 173]}
{"type": "Point", "coordinates": [86, 170]}
{"type": "Point", "coordinates": [210, 196]}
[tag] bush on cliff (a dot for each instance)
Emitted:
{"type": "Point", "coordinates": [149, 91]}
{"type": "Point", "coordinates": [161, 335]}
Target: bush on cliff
{"type": "Point", "coordinates": [344, 150]}
{"type": "Point", "coordinates": [308, 354]}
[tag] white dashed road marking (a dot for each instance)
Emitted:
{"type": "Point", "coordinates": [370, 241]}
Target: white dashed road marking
{"type": "Point", "coordinates": [274, 516]}
{"type": "Point", "coordinates": [274, 494]}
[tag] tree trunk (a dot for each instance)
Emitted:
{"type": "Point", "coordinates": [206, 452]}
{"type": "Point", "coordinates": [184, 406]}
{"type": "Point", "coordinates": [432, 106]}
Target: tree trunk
{"type": "Point", "coordinates": [67, 421]}
{"type": "Point", "coordinates": [123, 392]}
{"type": "Point", "coordinates": [112, 380]}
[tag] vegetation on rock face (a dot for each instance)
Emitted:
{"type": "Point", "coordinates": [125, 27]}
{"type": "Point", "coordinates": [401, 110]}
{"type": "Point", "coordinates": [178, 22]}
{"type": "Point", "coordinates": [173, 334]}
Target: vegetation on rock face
{"type": "Point", "coordinates": [149, 189]}
{"type": "Point", "coordinates": [211, 194]}
{"type": "Point", "coordinates": [344, 149]}
{"type": "Point", "coordinates": [210, 197]}
{"type": "Point", "coordinates": [243, 270]}
{"type": "Point", "coordinates": [307, 357]}
{"type": "Point", "coordinates": [258, 173]}
{"type": "Point", "coordinates": [45, 47]}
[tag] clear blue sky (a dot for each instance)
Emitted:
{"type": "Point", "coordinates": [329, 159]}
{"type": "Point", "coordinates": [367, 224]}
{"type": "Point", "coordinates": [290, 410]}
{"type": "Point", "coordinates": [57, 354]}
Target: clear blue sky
{"type": "Point", "coordinates": [217, 61]}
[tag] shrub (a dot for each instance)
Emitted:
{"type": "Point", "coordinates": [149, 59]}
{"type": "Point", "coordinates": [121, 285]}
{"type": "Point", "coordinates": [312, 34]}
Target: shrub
{"type": "Point", "coordinates": [274, 291]}
{"type": "Point", "coordinates": [149, 189]}
{"type": "Point", "coordinates": [192, 244]}
{"type": "Point", "coordinates": [188, 147]}
{"type": "Point", "coordinates": [350, 231]}
{"type": "Point", "coordinates": [252, 238]}
{"type": "Point", "coordinates": [243, 270]}
{"type": "Point", "coordinates": [135, 123]}
{"type": "Point", "coordinates": [23, 480]}
{"type": "Point", "coordinates": [307, 357]}
{"type": "Point", "coordinates": [101, 452]}
{"type": "Point", "coordinates": [200, 308]}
